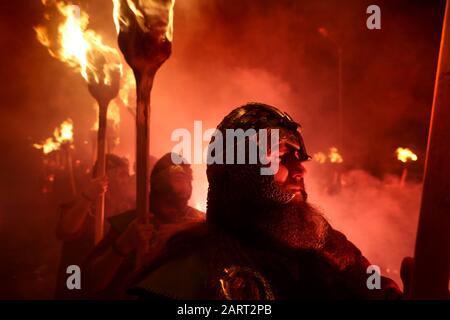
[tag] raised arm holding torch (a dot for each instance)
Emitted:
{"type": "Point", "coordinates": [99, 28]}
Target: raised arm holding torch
{"type": "Point", "coordinates": [84, 50]}
{"type": "Point", "coordinates": [103, 91]}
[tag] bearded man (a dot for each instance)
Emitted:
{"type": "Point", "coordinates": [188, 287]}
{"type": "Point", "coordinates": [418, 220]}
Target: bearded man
{"type": "Point", "coordinates": [261, 238]}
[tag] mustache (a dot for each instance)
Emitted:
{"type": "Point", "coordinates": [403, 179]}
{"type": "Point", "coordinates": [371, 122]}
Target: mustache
{"type": "Point", "coordinates": [298, 185]}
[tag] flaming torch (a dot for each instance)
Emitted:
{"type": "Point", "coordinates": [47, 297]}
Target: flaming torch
{"type": "Point", "coordinates": [145, 29]}
{"type": "Point", "coordinates": [48, 146]}
{"type": "Point", "coordinates": [61, 141]}
{"type": "Point", "coordinates": [320, 157]}
{"type": "Point", "coordinates": [333, 160]}
{"type": "Point", "coordinates": [405, 155]}
{"type": "Point", "coordinates": [99, 64]}
{"type": "Point", "coordinates": [335, 156]}
{"type": "Point", "coordinates": [103, 85]}
{"type": "Point", "coordinates": [336, 160]}
{"type": "Point", "coordinates": [64, 136]}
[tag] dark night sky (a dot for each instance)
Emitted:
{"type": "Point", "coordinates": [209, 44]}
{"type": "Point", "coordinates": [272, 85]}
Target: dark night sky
{"type": "Point", "coordinates": [388, 79]}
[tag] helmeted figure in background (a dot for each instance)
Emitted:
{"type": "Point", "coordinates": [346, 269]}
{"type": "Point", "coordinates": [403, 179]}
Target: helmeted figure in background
{"type": "Point", "coordinates": [261, 239]}
{"type": "Point", "coordinates": [112, 263]}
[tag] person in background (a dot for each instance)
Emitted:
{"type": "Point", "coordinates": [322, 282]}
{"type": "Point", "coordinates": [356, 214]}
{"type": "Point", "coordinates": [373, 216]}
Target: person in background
{"type": "Point", "coordinates": [76, 224]}
{"type": "Point", "coordinates": [112, 264]}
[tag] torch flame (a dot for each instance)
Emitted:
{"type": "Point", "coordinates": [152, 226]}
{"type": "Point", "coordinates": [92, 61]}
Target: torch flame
{"type": "Point", "coordinates": [154, 16]}
{"type": "Point", "coordinates": [48, 146]}
{"type": "Point", "coordinates": [113, 115]}
{"type": "Point", "coordinates": [74, 46]}
{"type": "Point", "coordinates": [117, 17]}
{"type": "Point", "coordinates": [320, 157]}
{"type": "Point", "coordinates": [334, 156]}
{"type": "Point", "coordinates": [405, 154]}
{"type": "Point", "coordinates": [79, 47]}
{"type": "Point", "coordinates": [42, 36]}
{"type": "Point", "coordinates": [135, 10]}
{"type": "Point", "coordinates": [65, 132]}
{"type": "Point", "coordinates": [62, 134]}
{"type": "Point", "coordinates": [169, 31]}
{"type": "Point", "coordinates": [128, 86]}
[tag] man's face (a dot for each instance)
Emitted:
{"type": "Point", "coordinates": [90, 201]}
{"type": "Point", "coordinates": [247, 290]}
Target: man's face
{"type": "Point", "coordinates": [180, 186]}
{"type": "Point", "coordinates": [118, 178]}
{"type": "Point", "coordinates": [176, 192]}
{"type": "Point", "coordinates": [289, 176]}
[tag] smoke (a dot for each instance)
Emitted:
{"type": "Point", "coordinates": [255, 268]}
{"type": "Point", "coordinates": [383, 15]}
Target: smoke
{"type": "Point", "coordinates": [377, 214]}
{"type": "Point", "coordinates": [242, 86]}
{"type": "Point", "coordinates": [227, 53]}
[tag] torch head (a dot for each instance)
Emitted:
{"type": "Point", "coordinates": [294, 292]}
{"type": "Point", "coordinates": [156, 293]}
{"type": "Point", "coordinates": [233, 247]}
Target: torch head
{"type": "Point", "coordinates": [145, 32]}
{"type": "Point", "coordinates": [107, 89]}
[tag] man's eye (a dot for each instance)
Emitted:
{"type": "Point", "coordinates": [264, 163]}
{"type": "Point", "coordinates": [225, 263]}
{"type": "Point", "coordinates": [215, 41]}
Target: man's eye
{"type": "Point", "coordinates": [291, 156]}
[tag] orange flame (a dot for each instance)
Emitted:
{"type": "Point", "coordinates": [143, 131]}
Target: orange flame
{"type": "Point", "coordinates": [117, 17]}
{"type": "Point", "coordinates": [320, 157]}
{"type": "Point", "coordinates": [113, 115]}
{"type": "Point", "coordinates": [334, 155]}
{"type": "Point", "coordinates": [154, 16]}
{"type": "Point", "coordinates": [49, 145]}
{"type": "Point", "coordinates": [79, 47]}
{"type": "Point", "coordinates": [62, 134]}
{"type": "Point", "coordinates": [405, 154]}
{"type": "Point", "coordinates": [128, 87]}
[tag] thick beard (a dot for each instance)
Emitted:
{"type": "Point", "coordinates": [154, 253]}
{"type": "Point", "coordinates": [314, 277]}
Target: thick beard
{"type": "Point", "coordinates": [168, 206]}
{"type": "Point", "coordinates": [296, 225]}
{"type": "Point", "coordinates": [249, 204]}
